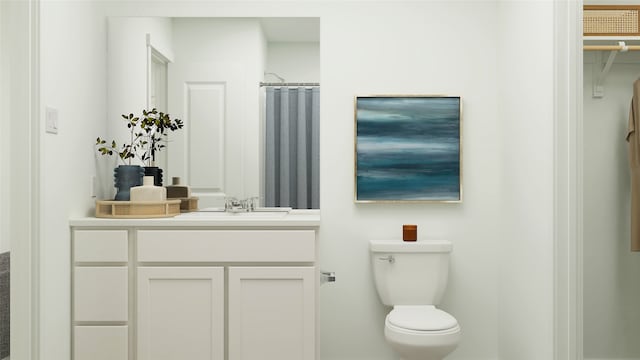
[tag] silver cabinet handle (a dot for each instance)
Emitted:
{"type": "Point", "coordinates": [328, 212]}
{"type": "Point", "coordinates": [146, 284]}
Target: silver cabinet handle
{"type": "Point", "coordinates": [389, 258]}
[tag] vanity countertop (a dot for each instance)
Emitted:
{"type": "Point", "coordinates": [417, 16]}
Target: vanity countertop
{"type": "Point", "coordinates": [292, 219]}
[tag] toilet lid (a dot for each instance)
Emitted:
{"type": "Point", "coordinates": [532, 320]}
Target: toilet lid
{"type": "Point", "coordinates": [421, 318]}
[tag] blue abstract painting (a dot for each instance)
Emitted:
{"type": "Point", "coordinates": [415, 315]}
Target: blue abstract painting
{"type": "Point", "coordinates": [408, 148]}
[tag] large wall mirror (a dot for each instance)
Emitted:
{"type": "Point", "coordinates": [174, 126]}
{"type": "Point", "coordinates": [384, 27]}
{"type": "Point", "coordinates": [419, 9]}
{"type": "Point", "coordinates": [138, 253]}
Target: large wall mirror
{"type": "Point", "coordinates": [247, 90]}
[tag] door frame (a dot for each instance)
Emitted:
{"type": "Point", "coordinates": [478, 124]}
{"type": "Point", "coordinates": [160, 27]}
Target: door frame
{"type": "Point", "coordinates": [568, 186]}
{"type": "Point", "coordinates": [156, 55]}
{"type": "Point", "coordinates": [24, 167]}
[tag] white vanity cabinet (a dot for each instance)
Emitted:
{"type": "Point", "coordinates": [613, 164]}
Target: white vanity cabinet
{"type": "Point", "coordinates": [193, 292]}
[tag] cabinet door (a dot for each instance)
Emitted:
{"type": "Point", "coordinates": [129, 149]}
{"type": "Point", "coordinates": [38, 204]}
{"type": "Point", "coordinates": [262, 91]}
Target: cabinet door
{"type": "Point", "coordinates": [272, 313]}
{"type": "Point", "coordinates": [180, 313]}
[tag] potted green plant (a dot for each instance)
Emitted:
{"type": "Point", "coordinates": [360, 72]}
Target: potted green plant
{"type": "Point", "coordinates": [126, 175]}
{"type": "Point", "coordinates": [155, 126]}
{"type": "Point", "coordinates": [147, 136]}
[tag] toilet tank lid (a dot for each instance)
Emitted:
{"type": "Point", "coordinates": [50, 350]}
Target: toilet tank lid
{"type": "Point", "coordinates": [434, 246]}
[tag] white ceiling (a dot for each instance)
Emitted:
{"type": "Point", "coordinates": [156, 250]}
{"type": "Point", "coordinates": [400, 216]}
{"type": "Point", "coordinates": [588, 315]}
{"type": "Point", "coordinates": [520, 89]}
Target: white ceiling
{"type": "Point", "coordinates": [291, 29]}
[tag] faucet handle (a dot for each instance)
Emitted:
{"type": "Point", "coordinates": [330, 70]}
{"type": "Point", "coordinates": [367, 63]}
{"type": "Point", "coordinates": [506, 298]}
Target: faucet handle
{"type": "Point", "coordinates": [253, 202]}
{"type": "Point", "coordinates": [230, 202]}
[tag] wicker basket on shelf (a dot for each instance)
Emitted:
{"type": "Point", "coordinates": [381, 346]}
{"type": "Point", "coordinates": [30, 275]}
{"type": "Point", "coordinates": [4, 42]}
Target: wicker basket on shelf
{"type": "Point", "coordinates": [611, 20]}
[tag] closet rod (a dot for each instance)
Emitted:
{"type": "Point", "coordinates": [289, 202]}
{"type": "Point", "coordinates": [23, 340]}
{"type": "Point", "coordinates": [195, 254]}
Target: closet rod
{"type": "Point", "coordinates": [611, 47]}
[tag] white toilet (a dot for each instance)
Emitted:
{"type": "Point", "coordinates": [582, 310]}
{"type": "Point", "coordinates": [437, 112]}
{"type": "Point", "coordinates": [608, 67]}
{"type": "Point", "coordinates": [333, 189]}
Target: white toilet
{"type": "Point", "coordinates": [412, 277]}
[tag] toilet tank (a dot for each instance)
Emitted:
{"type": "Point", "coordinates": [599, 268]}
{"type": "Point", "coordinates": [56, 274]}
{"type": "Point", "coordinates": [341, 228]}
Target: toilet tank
{"type": "Point", "coordinates": [410, 273]}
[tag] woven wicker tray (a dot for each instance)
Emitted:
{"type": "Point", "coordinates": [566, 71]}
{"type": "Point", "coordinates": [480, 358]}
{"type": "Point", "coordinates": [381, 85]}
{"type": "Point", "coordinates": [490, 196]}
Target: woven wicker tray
{"type": "Point", "coordinates": [137, 209]}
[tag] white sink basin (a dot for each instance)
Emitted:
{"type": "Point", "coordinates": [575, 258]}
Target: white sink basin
{"type": "Point", "coordinates": [220, 213]}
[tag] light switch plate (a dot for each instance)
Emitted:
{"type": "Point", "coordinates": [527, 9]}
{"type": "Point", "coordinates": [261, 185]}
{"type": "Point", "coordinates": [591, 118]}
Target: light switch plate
{"type": "Point", "coordinates": [51, 120]}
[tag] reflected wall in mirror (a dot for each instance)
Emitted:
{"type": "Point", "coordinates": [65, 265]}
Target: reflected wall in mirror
{"type": "Point", "coordinates": [241, 139]}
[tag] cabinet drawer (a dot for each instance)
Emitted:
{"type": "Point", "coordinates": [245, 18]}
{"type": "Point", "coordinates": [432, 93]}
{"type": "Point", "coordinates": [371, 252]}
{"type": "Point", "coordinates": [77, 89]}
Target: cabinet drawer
{"type": "Point", "coordinates": [100, 294]}
{"type": "Point", "coordinates": [226, 246]}
{"type": "Point", "coordinates": [100, 246]}
{"type": "Point", "coordinates": [101, 343]}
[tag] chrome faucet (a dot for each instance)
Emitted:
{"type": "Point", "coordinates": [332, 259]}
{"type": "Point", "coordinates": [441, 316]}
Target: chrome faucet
{"type": "Point", "coordinates": [232, 204]}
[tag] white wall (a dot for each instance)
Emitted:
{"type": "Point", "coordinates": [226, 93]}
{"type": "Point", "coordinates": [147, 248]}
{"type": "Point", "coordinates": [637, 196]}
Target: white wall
{"type": "Point", "coordinates": [498, 290]}
{"type": "Point", "coordinates": [611, 287]}
{"type": "Point", "coordinates": [293, 61]}
{"type": "Point", "coordinates": [73, 81]}
{"type": "Point", "coordinates": [360, 57]}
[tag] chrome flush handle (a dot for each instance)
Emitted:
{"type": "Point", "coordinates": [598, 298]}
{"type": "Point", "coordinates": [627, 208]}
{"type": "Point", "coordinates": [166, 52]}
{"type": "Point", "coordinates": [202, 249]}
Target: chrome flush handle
{"type": "Point", "coordinates": [327, 276]}
{"type": "Point", "coordinates": [389, 258]}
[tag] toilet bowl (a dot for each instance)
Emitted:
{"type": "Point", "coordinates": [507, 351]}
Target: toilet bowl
{"type": "Point", "coordinates": [412, 277]}
{"type": "Point", "coordinates": [421, 332]}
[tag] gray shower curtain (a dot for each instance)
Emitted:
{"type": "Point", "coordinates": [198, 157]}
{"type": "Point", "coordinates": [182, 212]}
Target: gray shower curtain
{"type": "Point", "coordinates": [292, 154]}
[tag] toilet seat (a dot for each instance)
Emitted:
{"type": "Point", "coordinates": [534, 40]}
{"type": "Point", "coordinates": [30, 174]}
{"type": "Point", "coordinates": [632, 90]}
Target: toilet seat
{"type": "Point", "coordinates": [416, 331]}
{"type": "Point", "coordinates": [420, 344]}
{"type": "Point", "coordinates": [421, 318]}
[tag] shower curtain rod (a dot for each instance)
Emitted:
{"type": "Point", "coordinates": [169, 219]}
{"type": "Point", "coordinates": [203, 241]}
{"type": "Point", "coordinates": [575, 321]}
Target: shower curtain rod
{"type": "Point", "coordinates": [288, 84]}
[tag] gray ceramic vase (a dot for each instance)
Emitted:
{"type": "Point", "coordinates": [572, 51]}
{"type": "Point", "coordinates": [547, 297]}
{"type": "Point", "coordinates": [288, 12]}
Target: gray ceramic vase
{"type": "Point", "coordinates": [126, 177]}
